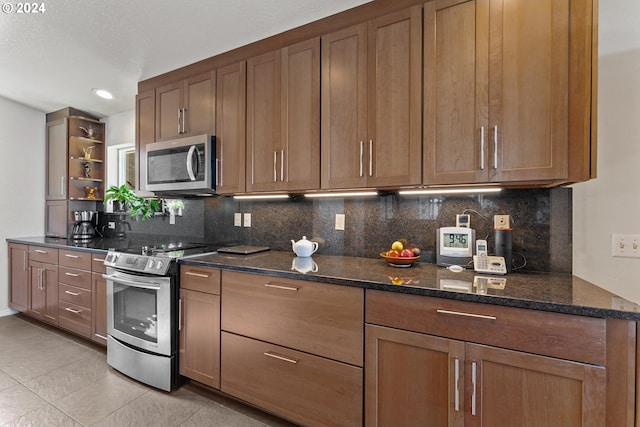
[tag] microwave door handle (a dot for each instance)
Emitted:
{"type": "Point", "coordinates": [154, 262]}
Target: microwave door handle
{"type": "Point", "coordinates": [192, 150]}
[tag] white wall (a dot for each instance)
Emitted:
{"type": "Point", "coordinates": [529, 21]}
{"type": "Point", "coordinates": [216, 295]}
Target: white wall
{"type": "Point", "coordinates": [121, 132]}
{"type": "Point", "coordinates": [22, 174]}
{"type": "Point", "coordinates": [611, 203]}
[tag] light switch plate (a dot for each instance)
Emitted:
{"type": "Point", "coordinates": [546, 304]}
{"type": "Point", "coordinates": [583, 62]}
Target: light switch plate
{"type": "Point", "coordinates": [247, 219]}
{"type": "Point", "coordinates": [237, 219]}
{"type": "Point", "coordinates": [340, 222]}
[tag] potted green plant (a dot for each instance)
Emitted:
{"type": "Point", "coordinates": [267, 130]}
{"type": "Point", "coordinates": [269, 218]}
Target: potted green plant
{"type": "Point", "coordinates": [138, 207]}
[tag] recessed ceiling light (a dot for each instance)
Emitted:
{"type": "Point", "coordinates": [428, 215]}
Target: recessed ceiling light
{"type": "Point", "coordinates": [103, 93]}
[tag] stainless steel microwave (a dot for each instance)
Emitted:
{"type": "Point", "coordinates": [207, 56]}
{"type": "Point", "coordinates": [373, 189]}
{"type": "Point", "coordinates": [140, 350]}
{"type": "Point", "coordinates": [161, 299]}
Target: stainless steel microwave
{"type": "Point", "coordinates": [182, 166]}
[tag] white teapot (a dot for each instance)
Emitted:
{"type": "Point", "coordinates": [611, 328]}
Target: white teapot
{"type": "Point", "coordinates": [304, 247]}
{"type": "Point", "coordinates": [304, 265]}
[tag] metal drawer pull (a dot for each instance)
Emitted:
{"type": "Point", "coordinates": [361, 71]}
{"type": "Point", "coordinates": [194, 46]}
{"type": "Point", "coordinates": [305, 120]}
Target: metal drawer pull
{"type": "Point", "coordinates": [72, 274]}
{"type": "Point", "coordinates": [203, 275]}
{"type": "Point", "coordinates": [286, 288]}
{"type": "Point", "coordinates": [98, 260]}
{"type": "Point", "coordinates": [495, 147]}
{"type": "Point", "coordinates": [280, 357]}
{"type": "Point", "coordinates": [482, 148]}
{"type": "Point", "coordinates": [459, 313]}
{"type": "Point", "coordinates": [72, 310]}
{"type": "Point", "coordinates": [71, 256]}
{"type": "Point", "coordinates": [75, 294]}
{"type": "Point", "coordinates": [40, 251]}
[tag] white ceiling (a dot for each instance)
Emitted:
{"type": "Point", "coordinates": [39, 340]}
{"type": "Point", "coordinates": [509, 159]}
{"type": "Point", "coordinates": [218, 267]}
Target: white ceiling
{"type": "Point", "coordinates": [54, 59]}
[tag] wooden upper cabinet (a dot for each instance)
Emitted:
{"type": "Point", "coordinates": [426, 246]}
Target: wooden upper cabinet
{"type": "Point", "coordinates": [145, 133]}
{"type": "Point", "coordinates": [186, 107]}
{"type": "Point", "coordinates": [496, 95]}
{"type": "Point", "coordinates": [283, 119]}
{"type": "Point", "coordinates": [57, 159]}
{"type": "Point", "coordinates": [371, 103]}
{"type": "Point", "coordinates": [231, 134]}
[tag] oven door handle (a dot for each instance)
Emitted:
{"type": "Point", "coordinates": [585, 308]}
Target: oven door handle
{"type": "Point", "coordinates": [117, 279]}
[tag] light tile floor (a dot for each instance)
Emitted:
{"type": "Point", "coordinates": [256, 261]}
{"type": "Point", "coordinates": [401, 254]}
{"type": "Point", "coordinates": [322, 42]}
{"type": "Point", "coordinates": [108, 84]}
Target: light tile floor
{"type": "Point", "coordinates": [51, 378]}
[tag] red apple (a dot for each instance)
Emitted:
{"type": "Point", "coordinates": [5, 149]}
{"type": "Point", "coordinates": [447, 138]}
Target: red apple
{"type": "Point", "coordinates": [406, 253]}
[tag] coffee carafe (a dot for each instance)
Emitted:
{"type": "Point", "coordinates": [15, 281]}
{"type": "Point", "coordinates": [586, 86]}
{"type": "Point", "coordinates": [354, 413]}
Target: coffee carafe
{"type": "Point", "coordinates": [83, 228]}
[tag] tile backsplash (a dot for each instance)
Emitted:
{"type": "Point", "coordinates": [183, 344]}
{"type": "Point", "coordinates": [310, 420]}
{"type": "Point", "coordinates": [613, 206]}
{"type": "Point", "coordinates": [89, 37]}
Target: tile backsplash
{"type": "Point", "coordinates": [541, 222]}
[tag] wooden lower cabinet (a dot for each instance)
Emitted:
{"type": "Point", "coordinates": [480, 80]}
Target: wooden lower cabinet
{"type": "Point", "coordinates": [19, 277]}
{"type": "Point", "coordinates": [418, 379]}
{"type": "Point", "coordinates": [43, 303]}
{"type": "Point", "coordinates": [301, 387]}
{"type": "Point", "coordinates": [199, 350]}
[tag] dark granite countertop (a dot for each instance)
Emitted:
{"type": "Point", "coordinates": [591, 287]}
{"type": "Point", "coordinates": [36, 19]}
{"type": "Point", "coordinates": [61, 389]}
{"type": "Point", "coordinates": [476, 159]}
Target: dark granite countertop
{"type": "Point", "coordinates": [561, 293]}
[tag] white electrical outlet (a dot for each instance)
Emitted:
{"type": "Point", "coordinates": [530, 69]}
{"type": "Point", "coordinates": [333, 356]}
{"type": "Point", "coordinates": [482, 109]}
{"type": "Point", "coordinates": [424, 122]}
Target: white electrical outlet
{"type": "Point", "coordinates": [237, 219]}
{"type": "Point", "coordinates": [625, 245]}
{"type": "Point", "coordinates": [247, 219]}
{"type": "Point", "coordinates": [340, 222]}
{"type": "Point", "coordinates": [501, 222]}
{"type": "Point", "coordinates": [111, 225]}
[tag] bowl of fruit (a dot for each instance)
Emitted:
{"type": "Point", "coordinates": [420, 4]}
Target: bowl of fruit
{"type": "Point", "coordinates": [401, 254]}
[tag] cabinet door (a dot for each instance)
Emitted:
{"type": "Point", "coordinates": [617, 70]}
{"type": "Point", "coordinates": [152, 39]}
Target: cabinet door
{"type": "Point", "coordinates": [18, 277]}
{"type": "Point", "coordinates": [145, 133]}
{"type": "Point", "coordinates": [98, 308]}
{"type": "Point", "coordinates": [44, 292]}
{"type": "Point", "coordinates": [199, 103]}
{"type": "Point", "coordinates": [200, 337]}
{"type": "Point", "coordinates": [456, 144]}
{"type": "Point", "coordinates": [263, 123]}
{"type": "Point", "coordinates": [394, 141]}
{"type": "Point", "coordinates": [344, 105]}
{"type": "Point", "coordinates": [57, 160]}
{"type": "Point", "coordinates": [412, 379]}
{"type": "Point", "coordinates": [529, 89]}
{"type": "Point", "coordinates": [56, 218]}
{"type": "Point", "coordinates": [169, 111]}
{"type": "Point", "coordinates": [230, 134]}
{"type": "Point", "coordinates": [511, 388]}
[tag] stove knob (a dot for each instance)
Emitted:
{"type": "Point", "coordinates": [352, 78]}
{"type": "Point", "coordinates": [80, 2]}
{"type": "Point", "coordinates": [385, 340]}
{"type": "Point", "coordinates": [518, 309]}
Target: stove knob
{"type": "Point", "coordinates": [151, 264]}
{"type": "Point", "coordinates": [159, 265]}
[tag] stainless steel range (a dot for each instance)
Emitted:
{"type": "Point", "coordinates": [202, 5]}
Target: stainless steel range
{"type": "Point", "coordinates": [142, 301]}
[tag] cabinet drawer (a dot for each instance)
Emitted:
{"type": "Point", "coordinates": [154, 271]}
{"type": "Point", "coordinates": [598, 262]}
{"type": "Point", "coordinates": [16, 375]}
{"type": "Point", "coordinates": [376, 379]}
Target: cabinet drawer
{"type": "Point", "coordinates": [75, 318]}
{"type": "Point", "coordinates": [551, 334]}
{"type": "Point", "coordinates": [313, 317]}
{"type": "Point", "coordinates": [97, 263]}
{"type": "Point", "coordinates": [74, 295]}
{"type": "Point", "coordinates": [43, 254]}
{"type": "Point", "coordinates": [75, 259]}
{"type": "Point", "coordinates": [200, 279]}
{"type": "Point", "coordinates": [307, 389]}
{"type": "Point", "coordinates": [71, 276]}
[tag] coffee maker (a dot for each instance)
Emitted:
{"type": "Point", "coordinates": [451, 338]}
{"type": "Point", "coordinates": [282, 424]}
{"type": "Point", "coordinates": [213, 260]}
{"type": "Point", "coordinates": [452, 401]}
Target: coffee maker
{"type": "Point", "coordinates": [83, 228]}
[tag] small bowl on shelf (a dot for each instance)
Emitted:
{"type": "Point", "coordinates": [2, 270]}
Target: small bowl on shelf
{"type": "Point", "coordinates": [399, 261]}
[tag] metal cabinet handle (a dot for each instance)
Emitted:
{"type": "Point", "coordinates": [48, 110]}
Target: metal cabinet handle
{"type": "Point", "coordinates": [62, 185]}
{"type": "Point", "coordinates": [371, 157]}
{"type": "Point", "coordinates": [71, 256]}
{"type": "Point", "coordinates": [482, 148]}
{"type": "Point", "coordinates": [282, 165]}
{"type": "Point", "coordinates": [75, 294]}
{"type": "Point", "coordinates": [72, 274]}
{"type": "Point", "coordinates": [179, 112]}
{"type": "Point", "coordinates": [495, 147]}
{"type": "Point", "coordinates": [184, 120]}
{"type": "Point", "coordinates": [44, 279]}
{"type": "Point", "coordinates": [24, 261]}
{"type": "Point", "coordinates": [456, 369]}
{"type": "Point", "coordinates": [72, 310]}
{"type": "Point", "coordinates": [460, 313]}
{"type": "Point", "coordinates": [275, 166]}
{"type": "Point", "coordinates": [180, 314]}
{"type": "Point", "coordinates": [361, 154]}
{"type": "Point", "coordinates": [286, 288]}
{"type": "Point", "coordinates": [280, 357]}
{"type": "Point", "coordinates": [40, 251]}
{"type": "Point", "coordinates": [203, 275]}
{"type": "Point", "coordinates": [474, 368]}
{"type": "Point", "coordinates": [98, 259]}
{"type": "Point", "coordinates": [39, 279]}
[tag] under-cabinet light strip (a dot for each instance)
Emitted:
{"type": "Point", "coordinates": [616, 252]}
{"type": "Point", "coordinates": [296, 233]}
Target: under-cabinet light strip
{"type": "Point", "coordinates": [344, 194]}
{"type": "Point", "coordinates": [450, 191]}
{"type": "Point", "coordinates": [262, 196]}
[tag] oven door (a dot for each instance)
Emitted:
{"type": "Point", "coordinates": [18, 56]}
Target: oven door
{"type": "Point", "coordinates": [139, 310]}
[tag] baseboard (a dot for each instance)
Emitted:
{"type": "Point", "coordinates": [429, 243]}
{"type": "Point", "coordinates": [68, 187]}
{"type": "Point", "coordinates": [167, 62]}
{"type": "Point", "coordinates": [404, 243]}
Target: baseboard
{"type": "Point", "coordinates": [7, 312]}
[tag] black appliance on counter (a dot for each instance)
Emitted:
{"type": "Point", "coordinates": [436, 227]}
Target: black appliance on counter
{"type": "Point", "coordinates": [142, 310]}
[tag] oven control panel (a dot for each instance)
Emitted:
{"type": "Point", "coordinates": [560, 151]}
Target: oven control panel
{"type": "Point", "coordinates": [138, 263]}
